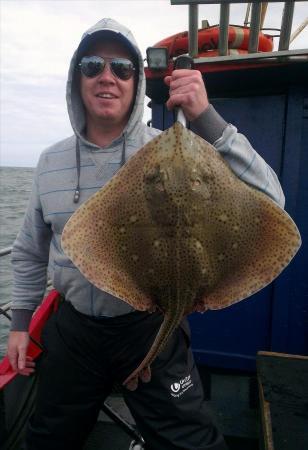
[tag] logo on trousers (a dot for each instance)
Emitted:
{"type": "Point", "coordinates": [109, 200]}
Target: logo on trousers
{"type": "Point", "coordinates": [178, 388]}
{"type": "Point", "coordinates": [175, 387]}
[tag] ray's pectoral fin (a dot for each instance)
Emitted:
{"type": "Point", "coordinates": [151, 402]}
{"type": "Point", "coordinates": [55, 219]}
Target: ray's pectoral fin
{"type": "Point", "coordinates": [272, 244]}
{"type": "Point", "coordinates": [104, 238]}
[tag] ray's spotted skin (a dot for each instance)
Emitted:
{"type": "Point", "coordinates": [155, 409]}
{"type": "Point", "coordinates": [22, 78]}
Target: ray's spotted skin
{"type": "Point", "coordinates": [177, 230]}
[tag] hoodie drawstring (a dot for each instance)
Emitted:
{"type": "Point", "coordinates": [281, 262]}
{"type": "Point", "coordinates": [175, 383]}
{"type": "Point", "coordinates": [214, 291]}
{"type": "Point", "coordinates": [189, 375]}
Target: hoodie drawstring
{"type": "Point", "coordinates": [77, 190]}
{"type": "Point", "coordinates": [78, 165]}
{"type": "Point", "coordinates": [123, 156]}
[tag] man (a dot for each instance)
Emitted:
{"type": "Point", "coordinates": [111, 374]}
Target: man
{"type": "Point", "coordinates": [96, 339]}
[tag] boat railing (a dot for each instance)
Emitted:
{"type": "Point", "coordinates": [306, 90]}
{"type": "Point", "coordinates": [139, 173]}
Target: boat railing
{"type": "Point", "coordinates": [256, 11]}
{"type": "Point", "coordinates": [5, 251]}
{"type": "Point", "coordinates": [7, 307]}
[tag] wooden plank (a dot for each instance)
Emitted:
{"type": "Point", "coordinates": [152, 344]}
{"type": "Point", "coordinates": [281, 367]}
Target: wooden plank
{"type": "Point", "coordinates": [284, 400]}
{"type": "Point", "coordinates": [283, 355]}
{"type": "Point", "coordinates": [266, 420]}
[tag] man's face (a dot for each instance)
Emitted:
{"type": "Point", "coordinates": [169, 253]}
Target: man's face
{"type": "Point", "coordinates": [107, 98]}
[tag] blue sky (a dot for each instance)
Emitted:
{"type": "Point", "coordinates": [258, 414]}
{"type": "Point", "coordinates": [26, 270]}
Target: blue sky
{"type": "Point", "coordinates": [38, 38]}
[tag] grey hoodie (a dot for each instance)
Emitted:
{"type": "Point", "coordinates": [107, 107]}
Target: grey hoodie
{"type": "Point", "coordinates": [37, 251]}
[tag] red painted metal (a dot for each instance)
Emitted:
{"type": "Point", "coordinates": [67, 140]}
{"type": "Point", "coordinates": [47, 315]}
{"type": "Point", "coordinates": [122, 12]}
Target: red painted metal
{"type": "Point", "coordinates": [48, 306]}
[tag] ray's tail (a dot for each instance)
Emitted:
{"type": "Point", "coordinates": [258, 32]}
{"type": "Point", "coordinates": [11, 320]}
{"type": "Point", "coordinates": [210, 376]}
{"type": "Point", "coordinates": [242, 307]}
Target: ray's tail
{"type": "Point", "coordinates": [172, 319]}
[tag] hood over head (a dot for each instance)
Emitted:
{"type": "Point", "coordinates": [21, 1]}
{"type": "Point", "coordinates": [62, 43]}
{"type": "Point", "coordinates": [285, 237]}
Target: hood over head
{"type": "Point", "coordinates": [104, 29]}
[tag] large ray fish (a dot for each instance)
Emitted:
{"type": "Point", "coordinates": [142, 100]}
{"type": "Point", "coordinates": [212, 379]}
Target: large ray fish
{"type": "Point", "coordinates": [176, 229]}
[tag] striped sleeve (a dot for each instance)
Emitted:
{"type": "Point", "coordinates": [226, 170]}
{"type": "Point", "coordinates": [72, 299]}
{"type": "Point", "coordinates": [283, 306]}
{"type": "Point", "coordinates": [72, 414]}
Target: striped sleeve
{"type": "Point", "coordinates": [248, 165]}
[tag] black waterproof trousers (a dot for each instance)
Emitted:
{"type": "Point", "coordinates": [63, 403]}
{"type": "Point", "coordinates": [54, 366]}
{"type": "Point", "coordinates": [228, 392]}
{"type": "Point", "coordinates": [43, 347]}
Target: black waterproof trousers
{"type": "Point", "coordinates": [83, 358]}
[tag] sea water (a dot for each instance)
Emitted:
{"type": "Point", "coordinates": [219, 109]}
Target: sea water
{"type": "Point", "coordinates": [15, 189]}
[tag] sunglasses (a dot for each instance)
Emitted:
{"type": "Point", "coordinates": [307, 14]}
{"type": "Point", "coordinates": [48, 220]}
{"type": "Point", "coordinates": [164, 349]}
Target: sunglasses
{"type": "Point", "coordinates": [91, 66]}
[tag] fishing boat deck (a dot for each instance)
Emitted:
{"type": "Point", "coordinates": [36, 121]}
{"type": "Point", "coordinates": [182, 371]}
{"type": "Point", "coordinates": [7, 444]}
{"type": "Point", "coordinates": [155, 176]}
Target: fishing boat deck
{"type": "Point", "coordinates": [106, 434]}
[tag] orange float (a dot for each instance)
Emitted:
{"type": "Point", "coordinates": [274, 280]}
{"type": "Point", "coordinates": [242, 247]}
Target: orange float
{"type": "Point", "coordinates": [230, 52]}
{"type": "Point", "coordinates": [238, 38]}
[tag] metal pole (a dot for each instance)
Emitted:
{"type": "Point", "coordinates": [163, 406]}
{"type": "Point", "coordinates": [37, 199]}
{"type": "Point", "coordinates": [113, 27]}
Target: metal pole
{"type": "Point", "coordinates": [299, 30]}
{"type": "Point", "coordinates": [6, 307]}
{"type": "Point", "coordinates": [263, 13]}
{"type": "Point", "coordinates": [246, 21]}
{"type": "Point", "coordinates": [5, 251]}
{"type": "Point", "coordinates": [286, 26]}
{"type": "Point", "coordinates": [193, 31]}
{"type": "Point", "coordinates": [123, 423]}
{"type": "Point", "coordinates": [223, 29]}
{"type": "Point", "coordinates": [254, 28]}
